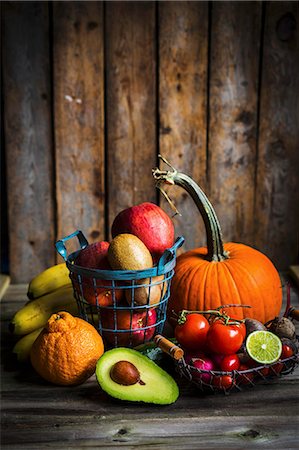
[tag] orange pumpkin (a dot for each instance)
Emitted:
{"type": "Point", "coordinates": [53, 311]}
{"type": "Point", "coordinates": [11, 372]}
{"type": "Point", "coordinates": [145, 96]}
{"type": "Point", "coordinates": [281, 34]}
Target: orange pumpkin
{"type": "Point", "coordinates": [221, 274]}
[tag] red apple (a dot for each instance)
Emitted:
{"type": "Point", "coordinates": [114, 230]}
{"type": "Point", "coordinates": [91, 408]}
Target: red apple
{"type": "Point", "coordinates": [94, 256]}
{"type": "Point", "coordinates": [137, 335]}
{"type": "Point", "coordinates": [149, 223]}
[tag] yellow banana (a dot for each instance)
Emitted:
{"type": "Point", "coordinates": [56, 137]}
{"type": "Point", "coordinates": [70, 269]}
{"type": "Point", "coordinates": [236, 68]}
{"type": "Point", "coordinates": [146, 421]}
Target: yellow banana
{"type": "Point", "coordinates": [48, 281]}
{"type": "Point", "coordinates": [23, 347]}
{"type": "Point", "coordinates": [36, 313]}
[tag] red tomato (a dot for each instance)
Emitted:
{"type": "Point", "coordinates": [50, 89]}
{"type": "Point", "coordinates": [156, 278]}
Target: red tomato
{"type": "Point", "coordinates": [222, 381]}
{"type": "Point", "coordinates": [245, 378]}
{"type": "Point", "coordinates": [229, 363]}
{"type": "Point", "coordinates": [264, 372]}
{"type": "Point", "coordinates": [192, 333]}
{"type": "Point", "coordinates": [224, 339]}
{"type": "Point", "coordinates": [277, 368]}
{"type": "Point", "coordinates": [287, 351]}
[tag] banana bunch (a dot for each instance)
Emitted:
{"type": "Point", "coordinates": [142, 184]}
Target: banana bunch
{"type": "Point", "coordinates": [48, 281]}
{"type": "Point", "coordinates": [49, 292]}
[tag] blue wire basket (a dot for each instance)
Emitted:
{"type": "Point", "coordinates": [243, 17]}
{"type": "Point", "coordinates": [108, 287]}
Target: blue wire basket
{"type": "Point", "coordinates": [107, 298]}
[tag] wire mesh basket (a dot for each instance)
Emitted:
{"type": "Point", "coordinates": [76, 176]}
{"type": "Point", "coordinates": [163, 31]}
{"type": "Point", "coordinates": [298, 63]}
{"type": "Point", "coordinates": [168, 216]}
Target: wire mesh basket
{"type": "Point", "coordinates": [225, 382]}
{"type": "Point", "coordinates": [106, 298]}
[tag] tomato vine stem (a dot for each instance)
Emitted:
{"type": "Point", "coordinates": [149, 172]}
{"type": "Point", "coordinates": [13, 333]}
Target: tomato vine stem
{"type": "Point", "coordinates": [214, 312]}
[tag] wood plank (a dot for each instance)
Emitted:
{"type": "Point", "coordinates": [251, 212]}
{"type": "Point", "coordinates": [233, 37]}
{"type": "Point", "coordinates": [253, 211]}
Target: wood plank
{"type": "Point", "coordinates": [28, 141]}
{"type": "Point", "coordinates": [183, 65]}
{"type": "Point", "coordinates": [131, 104]}
{"type": "Point", "coordinates": [4, 283]}
{"type": "Point", "coordinates": [79, 118]}
{"type": "Point", "coordinates": [294, 272]}
{"type": "Point", "coordinates": [233, 432]}
{"type": "Point", "coordinates": [277, 206]}
{"type": "Point", "coordinates": [235, 42]}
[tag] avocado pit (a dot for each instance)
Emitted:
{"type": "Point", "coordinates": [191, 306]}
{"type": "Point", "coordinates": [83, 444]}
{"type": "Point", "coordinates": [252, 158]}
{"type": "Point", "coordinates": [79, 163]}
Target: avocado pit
{"type": "Point", "coordinates": [125, 373]}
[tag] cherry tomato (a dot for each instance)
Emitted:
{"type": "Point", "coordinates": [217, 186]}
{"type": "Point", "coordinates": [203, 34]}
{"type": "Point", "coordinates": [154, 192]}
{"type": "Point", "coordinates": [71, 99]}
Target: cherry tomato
{"type": "Point", "coordinates": [192, 333]}
{"type": "Point", "coordinates": [224, 339]}
{"type": "Point", "coordinates": [264, 372]}
{"type": "Point", "coordinates": [229, 363]}
{"type": "Point", "coordinates": [287, 351]}
{"type": "Point", "coordinates": [245, 378]}
{"type": "Point", "coordinates": [222, 381]}
{"type": "Point", "coordinates": [277, 368]}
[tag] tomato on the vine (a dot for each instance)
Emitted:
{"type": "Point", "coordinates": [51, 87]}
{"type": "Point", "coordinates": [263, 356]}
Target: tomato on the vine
{"type": "Point", "coordinates": [276, 368]}
{"type": "Point", "coordinates": [229, 363]}
{"type": "Point", "coordinates": [222, 381]}
{"type": "Point", "coordinates": [245, 378]}
{"type": "Point", "coordinates": [286, 352]}
{"type": "Point", "coordinates": [224, 339]}
{"type": "Point", "coordinates": [263, 371]}
{"type": "Point", "coordinates": [192, 333]}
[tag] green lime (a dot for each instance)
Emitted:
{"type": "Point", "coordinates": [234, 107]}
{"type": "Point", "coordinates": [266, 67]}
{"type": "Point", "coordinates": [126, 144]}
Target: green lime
{"type": "Point", "coordinates": [263, 346]}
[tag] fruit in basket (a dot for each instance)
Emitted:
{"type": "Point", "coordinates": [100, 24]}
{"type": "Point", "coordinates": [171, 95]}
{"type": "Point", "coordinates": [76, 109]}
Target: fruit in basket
{"type": "Point", "coordinates": [229, 363]}
{"type": "Point", "coordinates": [94, 256]}
{"type": "Point", "coordinates": [48, 281]}
{"type": "Point", "coordinates": [96, 291]}
{"type": "Point", "coordinates": [207, 277]}
{"type": "Point", "coordinates": [133, 328]}
{"type": "Point", "coordinates": [225, 338]}
{"type": "Point", "coordinates": [128, 252]}
{"type": "Point", "coordinates": [253, 325]}
{"type": "Point", "coordinates": [149, 291]}
{"type": "Point", "coordinates": [283, 327]}
{"type": "Point", "coordinates": [222, 381]}
{"type": "Point", "coordinates": [67, 350]}
{"type": "Point", "coordinates": [103, 295]}
{"type": "Point", "coordinates": [126, 374]}
{"type": "Point", "coordinates": [202, 362]}
{"type": "Point", "coordinates": [36, 313]}
{"type": "Point", "coordinates": [288, 348]}
{"type": "Point", "coordinates": [247, 376]}
{"type": "Point", "coordinates": [149, 223]}
{"type": "Point", "coordinates": [260, 369]}
{"type": "Point", "coordinates": [264, 347]}
{"type": "Point", "coordinates": [191, 331]}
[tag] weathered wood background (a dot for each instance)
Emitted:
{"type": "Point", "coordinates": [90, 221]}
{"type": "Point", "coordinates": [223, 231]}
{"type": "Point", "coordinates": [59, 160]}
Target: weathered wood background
{"type": "Point", "coordinates": [93, 91]}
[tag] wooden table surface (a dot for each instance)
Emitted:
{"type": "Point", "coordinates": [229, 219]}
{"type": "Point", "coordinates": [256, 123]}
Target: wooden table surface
{"type": "Point", "coordinates": [37, 415]}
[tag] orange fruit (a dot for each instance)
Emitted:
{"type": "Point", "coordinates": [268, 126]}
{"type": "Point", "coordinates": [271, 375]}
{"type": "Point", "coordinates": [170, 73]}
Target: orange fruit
{"type": "Point", "coordinates": [67, 350]}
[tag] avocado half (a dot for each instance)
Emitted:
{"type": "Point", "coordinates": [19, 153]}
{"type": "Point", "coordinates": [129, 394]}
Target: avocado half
{"type": "Point", "coordinates": [156, 385]}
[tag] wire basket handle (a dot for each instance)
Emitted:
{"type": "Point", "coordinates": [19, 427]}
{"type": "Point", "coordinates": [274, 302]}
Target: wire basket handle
{"type": "Point", "coordinates": [169, 347]}
{"type": "Point", "coordinates": [170, 253]}
{"type": "Point", "coordinates": [61, 248]}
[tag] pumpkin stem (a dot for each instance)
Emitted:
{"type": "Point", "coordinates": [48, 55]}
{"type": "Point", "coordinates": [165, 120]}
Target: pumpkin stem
{"type": "Point", "coordinates": [215, 247]}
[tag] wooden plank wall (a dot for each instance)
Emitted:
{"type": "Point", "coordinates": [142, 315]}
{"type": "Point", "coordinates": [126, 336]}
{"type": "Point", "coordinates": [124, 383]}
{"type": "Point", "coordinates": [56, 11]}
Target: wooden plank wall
{"type": "Point", "coordinates": [93, 91]}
